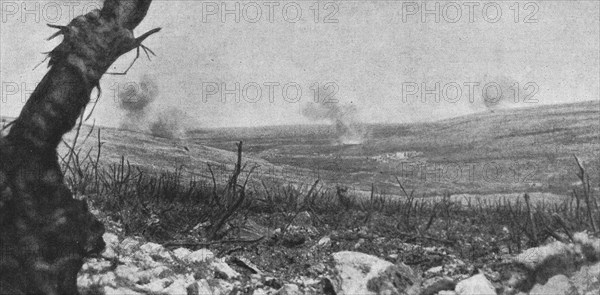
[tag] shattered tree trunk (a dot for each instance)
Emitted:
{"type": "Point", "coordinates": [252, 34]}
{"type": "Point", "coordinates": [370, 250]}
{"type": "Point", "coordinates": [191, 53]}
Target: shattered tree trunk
{"type": "Point", "coordinates": [44, 232]}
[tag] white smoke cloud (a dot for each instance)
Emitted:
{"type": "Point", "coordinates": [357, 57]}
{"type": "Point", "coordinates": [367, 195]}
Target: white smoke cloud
{"type": "Point", "coordinates": [348, 129]}
{"type": "Point", "coordinates": [137, 100]}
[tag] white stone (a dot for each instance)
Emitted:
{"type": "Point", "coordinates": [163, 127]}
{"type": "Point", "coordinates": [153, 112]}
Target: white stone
{"type": "Point", "coordinates": [95, 265]}
{"type": "Point", "coordinates": [248, 264]}
{"type": "Point", "coordinates": [359, 243]}
{"type": "Point", "coordinates": [109, 253]}
{"type": "Point", "coordinates": [223, 288]}
{"type": "Point", "coordinates": [199, 256]}
{"type": "Point", "coordinates": [110, 239]}
{"type": "Point", "coordinates": [200, 287]}
{"type": "Point", "coordinates": [89, 280]}
{"type": "Point", "coordinates": [156, 250]}
{"type": "Point", "coordinates": [128, 245]}
{"type": "Point", "coordinates": [434, 270]}
{"type": "Point", "coordinates": [584, 239]}
{"type": "Point", "coordinates": [126, 260]}
{"type": "Point", "coordinates": [152, 248]}
{"type": "Point", "coordinates": [178, 287]}
{"type": "Point", "coordinates": [289, 289]}
{"type": "Point", "coordinates": [556, 285]}
{"type": "Point", "coordinates": [159, 271]}
{"type": "Point", "coordinates": [475, 285]}
{"type": "Point", "coordinates": [306, 281]}
{"type": "Point", "coordinates": [128, 272]}
{"type": "Point", "coordinates": [143, 260]}
{"type": "Point", "coordinates": [181, 253]}
{"type": "Point", "coordinates": [587, 279]}
{"type": "Point", "coordinates": [255, 279]}
{"type": "Point", "coordinates": [156, 286]}
{"type": "Point", "coordinates": [356, 269]}
{"type": "Point", "coordinates": [223, 269]}
{"type": "Point", "coordinates": [112, 242]}
{"type": "Point", "coordinates": [534, 257]}
{"type": "Point", "coordinates": [324, 241]}
{"type": "Point", "coordinates": [134, 274]}
{"type": "Point", "coordinates": [119, 291]}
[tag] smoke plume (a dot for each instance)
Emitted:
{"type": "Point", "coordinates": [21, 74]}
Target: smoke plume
{"type": "Point", "coordinates": [169, 124]}
{"type": "Point", "coordinates": [137, 100]}
{"type": "Point", "coordinates": [348, 129]}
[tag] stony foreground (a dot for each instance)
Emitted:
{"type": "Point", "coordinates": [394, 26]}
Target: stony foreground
{"type": "Point", "coordinates": [132, 266]}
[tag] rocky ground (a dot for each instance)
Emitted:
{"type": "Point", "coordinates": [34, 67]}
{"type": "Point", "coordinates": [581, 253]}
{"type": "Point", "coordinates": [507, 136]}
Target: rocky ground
{"type": "Point", "coordinates": [131, 265]}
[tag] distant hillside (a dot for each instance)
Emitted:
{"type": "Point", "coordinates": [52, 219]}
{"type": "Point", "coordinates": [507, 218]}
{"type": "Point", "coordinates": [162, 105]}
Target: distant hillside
{"type": "Point", "coordinates": [528, 149]}
{"type": "Point", "coordinates": [507, 151]}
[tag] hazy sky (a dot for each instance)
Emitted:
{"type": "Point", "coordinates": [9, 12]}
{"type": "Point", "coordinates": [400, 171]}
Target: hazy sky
{"type": "Point", "coordinates": [369, 53]}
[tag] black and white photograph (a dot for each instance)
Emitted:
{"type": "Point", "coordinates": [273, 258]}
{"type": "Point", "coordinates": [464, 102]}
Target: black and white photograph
{"type": "Point", "coordinates": [299, 147]}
